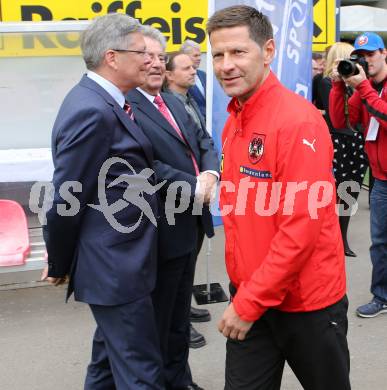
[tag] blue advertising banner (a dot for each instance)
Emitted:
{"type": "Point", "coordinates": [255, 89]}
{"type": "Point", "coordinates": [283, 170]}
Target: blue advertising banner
{"type": "Point", "coordinates": [292, 22]}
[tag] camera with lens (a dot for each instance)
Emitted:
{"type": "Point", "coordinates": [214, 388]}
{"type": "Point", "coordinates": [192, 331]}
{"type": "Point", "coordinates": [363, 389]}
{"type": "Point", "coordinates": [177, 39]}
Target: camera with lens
{"type": "Point", "coordinates": [347, 68]}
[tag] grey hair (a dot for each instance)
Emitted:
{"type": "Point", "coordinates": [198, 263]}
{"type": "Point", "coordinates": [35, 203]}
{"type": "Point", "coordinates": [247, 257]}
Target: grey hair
{"type": "Point", "coordinates": [188, 45]}
{"type": "Point", "coordinates": [153, 33]}
{"type": "Point", "coordinates": [111, 31]}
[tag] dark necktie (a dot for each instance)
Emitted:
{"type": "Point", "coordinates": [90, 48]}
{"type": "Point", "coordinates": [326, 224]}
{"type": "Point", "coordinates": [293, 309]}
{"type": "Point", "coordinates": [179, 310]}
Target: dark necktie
{"type": "Point", "coordinates": [128, 109]}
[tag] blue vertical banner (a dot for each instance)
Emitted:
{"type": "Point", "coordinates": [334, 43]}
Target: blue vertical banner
{"type": "Point", "coordinates": [292, 22]}
{"type": "Point", "coordinates": [338, 5]}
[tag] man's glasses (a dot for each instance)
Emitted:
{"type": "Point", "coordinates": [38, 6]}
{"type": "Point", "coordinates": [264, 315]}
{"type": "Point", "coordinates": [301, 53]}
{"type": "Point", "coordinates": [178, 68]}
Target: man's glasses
{"type": "Point", "coordinates": [163, 58]}
{"type": "Point", "coordinates": [143, 53]}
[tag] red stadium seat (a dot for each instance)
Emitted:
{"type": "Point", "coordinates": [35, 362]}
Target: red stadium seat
{"type": "Point", "coordinates": [14, 241]}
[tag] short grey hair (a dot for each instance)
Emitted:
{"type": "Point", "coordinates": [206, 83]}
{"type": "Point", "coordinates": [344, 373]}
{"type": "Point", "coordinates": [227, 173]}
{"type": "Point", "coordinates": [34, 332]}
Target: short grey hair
{"type": "Point", "coordinates": [189, 45]}
{"type": "Point", "coordinates": [111, 31]}
{"type": "Point", "coordinates": [153, 33]}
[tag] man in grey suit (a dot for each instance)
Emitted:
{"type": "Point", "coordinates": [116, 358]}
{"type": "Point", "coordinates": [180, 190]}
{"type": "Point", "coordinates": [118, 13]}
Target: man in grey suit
{"type": "Point", "coordinates": [198, 90]}
{"type": "Point", "coordinates": [107, 246]}
{"type": "Point", "coordinates": [180, 77]}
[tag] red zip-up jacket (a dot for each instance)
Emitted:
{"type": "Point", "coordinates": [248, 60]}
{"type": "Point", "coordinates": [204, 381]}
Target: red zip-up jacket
{"type": "Point", "coordinates": [364, 103]}
{"type": "Point", "coordinates": [290, 258]}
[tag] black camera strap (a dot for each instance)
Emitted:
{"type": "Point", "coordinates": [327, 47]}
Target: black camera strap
{"type": "Point", "coordinates": [358, 128]}
{"type": "Point", "coordinates": [346, 112]}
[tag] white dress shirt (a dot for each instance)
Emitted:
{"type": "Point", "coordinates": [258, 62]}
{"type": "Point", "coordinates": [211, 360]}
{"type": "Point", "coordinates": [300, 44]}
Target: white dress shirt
{"type": "Point", "coordinates": [151, 98]}
{"type": "Point", "coordinates": [108, 86]}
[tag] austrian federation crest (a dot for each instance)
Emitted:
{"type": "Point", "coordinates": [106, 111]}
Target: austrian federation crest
{"type": "Point", "coordinates": [256, 147]}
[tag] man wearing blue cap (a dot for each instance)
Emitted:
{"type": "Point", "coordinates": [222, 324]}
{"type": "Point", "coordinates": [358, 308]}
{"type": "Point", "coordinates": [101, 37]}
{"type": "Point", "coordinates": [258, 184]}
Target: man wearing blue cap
{"type": "Point", "coordinates": [368, 106]}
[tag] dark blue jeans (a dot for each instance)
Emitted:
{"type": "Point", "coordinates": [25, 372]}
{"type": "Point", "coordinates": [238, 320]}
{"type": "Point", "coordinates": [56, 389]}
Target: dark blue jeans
{"type": "Point", "coordinates": [378, 250]}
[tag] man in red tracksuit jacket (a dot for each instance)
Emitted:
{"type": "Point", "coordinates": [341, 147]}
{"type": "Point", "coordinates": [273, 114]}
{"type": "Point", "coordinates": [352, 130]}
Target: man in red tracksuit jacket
{"type": "Point", "coordinates": [368, 106]}
{"type": "Point", "coordinates": [284, 252]}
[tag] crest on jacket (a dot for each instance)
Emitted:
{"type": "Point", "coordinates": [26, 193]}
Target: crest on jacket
{"type": "Point", "coordinates": [256, 147]}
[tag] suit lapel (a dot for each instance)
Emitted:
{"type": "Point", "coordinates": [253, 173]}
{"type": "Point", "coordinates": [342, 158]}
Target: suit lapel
{"type": "Point", "coordinates": [134, 130]}
{"type": "Point", "coordinates": [169, 101]}
{"type": "Point", "coordinates": [142, 104]}
{"type": "Point", "coordinates": [172, 107]}
{"type": "Point", "coordinates": [202, 77]}
{"type": "Point", "coordinates": [197, 110]}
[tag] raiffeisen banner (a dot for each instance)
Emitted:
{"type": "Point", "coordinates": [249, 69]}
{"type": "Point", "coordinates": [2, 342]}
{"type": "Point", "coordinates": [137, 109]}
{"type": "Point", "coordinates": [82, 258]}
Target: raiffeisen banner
{"type": "Point", "coordinates": [177, 20]}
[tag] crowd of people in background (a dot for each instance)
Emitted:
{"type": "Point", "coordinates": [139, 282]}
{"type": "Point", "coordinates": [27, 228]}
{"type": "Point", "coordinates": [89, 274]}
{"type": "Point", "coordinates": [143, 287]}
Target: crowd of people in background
{"type": "Point", "coordinates": [354, 106]}
{"type": "Point", "coordinates": [350, 161]}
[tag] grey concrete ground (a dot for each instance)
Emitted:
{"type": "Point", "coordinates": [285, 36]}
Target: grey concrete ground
{"type": "Point", "coordinates": [45, 344]}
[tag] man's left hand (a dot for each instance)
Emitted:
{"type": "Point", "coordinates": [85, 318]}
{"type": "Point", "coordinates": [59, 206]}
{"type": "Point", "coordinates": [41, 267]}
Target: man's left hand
{"type": "Point", "coordinates": [53, 281]}
{"type": "Point", "coordinates": [232, 326]}
{"type": "Point", "coordinates": [354, 81]}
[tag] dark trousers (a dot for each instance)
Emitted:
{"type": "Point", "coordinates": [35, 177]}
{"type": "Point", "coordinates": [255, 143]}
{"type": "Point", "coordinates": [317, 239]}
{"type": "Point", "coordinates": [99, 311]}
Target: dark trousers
{"type": "Point", "coordinates": [126, 354]}
{"type": "Point", "coordinates": [378, 248]}
{"type": "Point", "coordinates": [172, 301]}
{"type": "Point", "coordinates": [314, 345]}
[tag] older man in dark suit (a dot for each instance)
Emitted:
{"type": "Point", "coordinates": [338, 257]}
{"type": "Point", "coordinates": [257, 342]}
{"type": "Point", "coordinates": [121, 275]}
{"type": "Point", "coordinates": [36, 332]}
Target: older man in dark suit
{"type": "Point", "coordinates": [104, 243]}
{"type": "Point", "coordinates": [180, 77]}
{"type": "Point", "coordinates": [183, 153]}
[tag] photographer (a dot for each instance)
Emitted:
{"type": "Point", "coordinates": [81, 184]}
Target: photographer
{"type": "Point", "coordinates": [349, 161]}
{"type": "Point", "coordinates": [368, 106]}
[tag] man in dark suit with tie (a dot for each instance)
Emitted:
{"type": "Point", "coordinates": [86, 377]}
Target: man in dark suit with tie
{"type": "Point", "coordinates": [182, 152]}
{"type": "Point", "coordinates": [198, 90]}
{"type": "Point", "coordinates": [180, 77]}
{"type": "Point", "coordinates": [107, 245]}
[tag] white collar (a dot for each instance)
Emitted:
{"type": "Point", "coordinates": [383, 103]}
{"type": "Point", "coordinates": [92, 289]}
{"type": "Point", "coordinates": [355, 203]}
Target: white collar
{"type": "Point", "coordinates": [150, 97]}
{"type": "Point", "coordinates": [108, 86]}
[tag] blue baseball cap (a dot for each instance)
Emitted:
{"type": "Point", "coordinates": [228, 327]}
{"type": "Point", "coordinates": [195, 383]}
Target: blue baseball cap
{"type": "Point", "coordinates": [368, 41]}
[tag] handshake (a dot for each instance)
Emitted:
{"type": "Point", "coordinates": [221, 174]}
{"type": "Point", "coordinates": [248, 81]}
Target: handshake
{"type": "Point", "coordinates": [206, 187]}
